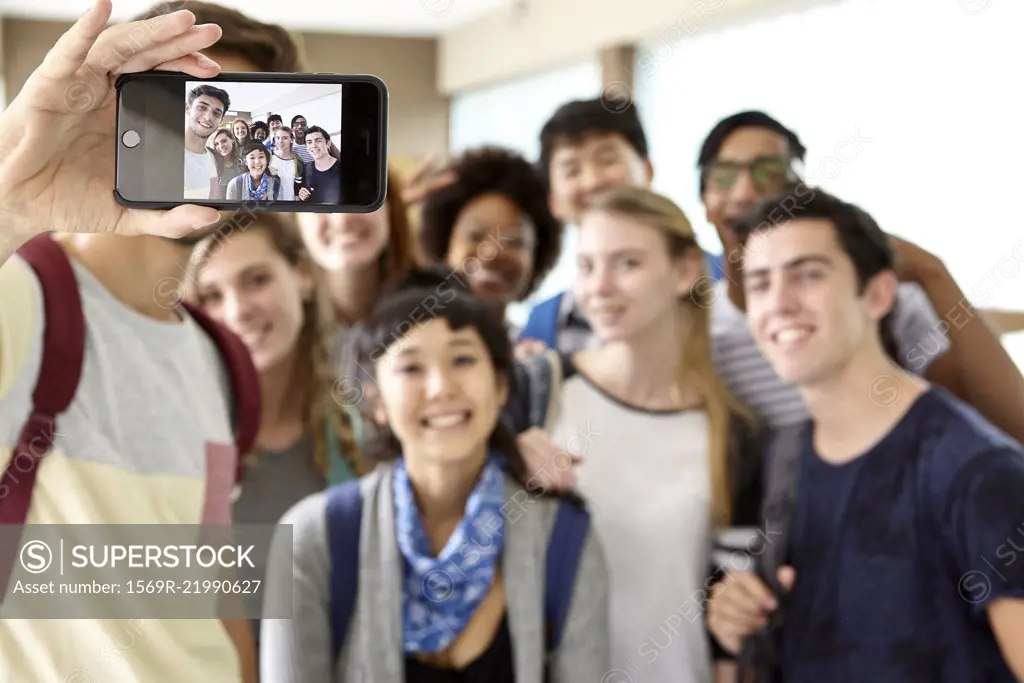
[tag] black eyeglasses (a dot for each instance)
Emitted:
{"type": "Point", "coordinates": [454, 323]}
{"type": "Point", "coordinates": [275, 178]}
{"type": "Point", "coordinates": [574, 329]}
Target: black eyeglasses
{"type": "Point", "coordinates": [769, 173]}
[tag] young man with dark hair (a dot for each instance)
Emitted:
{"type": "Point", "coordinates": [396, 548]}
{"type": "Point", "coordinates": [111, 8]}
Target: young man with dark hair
{"type": "Point", "coordinates": [907, 500]}
{"type": "Point", "coordinates": [275, 123]}
{"type": "Point", "coordinates": [148, 436]}
{"type": "Point", "coordinates": [322, 177]}
{"type": "Point", "coordinates": [205, 107]}
{"type": "Point", "coordinates": [586, 148]}
{"type": "Point", "coordinates": [749, 156]}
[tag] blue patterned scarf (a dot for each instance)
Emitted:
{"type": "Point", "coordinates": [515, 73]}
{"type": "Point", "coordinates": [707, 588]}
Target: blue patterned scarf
{"type": "Point", "coordinates": [442, 593]}
{"type": "Point", "coordinates": [257, 192]}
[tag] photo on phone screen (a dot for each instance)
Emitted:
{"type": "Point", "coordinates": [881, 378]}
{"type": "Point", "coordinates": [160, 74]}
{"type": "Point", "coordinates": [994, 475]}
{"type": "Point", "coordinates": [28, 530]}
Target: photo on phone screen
{"type": "Point", "coordinates": [274, 142]}
{"type": "Point", "coordinates": [283, 142]}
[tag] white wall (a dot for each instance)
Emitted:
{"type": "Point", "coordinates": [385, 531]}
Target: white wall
{"type": "Point", "coordinates": [907, 107]}
{"type": "Point", "coordinates": [528, 36]}
{"type": "Point", "coordinates": [511, 115]}
{"type": "Point", "coordinates": [320, 103]}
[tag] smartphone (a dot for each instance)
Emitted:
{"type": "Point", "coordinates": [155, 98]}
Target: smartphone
{"type": "Point", "coordinates": [254, 141]}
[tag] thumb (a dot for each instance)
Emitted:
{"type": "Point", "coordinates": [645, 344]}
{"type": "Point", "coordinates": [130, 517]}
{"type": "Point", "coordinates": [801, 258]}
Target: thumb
{"type": "Point", "coordinates": [787, 575]}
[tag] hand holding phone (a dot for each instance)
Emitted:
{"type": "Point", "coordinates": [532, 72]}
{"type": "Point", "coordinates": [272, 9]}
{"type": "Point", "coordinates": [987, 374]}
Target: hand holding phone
{"type": "Point", "coordinates": [60, 175]}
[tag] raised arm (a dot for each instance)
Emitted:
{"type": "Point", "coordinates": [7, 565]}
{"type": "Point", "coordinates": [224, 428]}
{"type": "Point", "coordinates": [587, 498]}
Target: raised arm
{"type": "Point", "coordinates": [59, 174]}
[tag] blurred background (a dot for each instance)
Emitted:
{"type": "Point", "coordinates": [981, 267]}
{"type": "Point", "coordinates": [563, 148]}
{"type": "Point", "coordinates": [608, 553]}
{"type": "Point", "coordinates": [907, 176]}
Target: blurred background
{"type": "Point", "coordinates": [907, 107]}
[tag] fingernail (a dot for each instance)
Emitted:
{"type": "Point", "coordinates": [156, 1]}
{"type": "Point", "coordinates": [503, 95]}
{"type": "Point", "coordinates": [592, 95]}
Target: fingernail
{"type": "Point", "coordinates": [206, 61]}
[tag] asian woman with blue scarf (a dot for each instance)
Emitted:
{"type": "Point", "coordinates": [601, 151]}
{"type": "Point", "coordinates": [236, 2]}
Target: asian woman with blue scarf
{"type": "Point", "coordinates": [449, 545]}
{"type": "Point", "coordinates": [260, 182]}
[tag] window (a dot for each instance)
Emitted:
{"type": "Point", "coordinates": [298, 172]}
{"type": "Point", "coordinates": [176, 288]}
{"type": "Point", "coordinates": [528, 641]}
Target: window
{"type": "Point", "coordinates": [905, 106]}
{"type": "Point", "coordinates": [512, 115]}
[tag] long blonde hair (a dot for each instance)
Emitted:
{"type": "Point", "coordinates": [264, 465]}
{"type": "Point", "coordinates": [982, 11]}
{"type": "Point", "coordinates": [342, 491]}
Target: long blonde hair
{"type": "Point", "coordinates": [695, 365]}
{"type": "Point", "coordinates": [315, 376]}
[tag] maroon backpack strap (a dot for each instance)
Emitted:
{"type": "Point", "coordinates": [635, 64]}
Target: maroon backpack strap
{"type": "Point", "coordinates": [245, 383]}
{"type": "Point", "coordinates": [63, 352]}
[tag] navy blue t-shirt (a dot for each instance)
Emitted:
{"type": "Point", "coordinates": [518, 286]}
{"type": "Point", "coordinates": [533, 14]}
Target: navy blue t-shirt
{"type": "Point", "coordinates": [898, 552]}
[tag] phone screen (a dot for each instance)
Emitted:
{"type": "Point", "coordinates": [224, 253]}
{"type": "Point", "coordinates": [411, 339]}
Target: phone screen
{"type": "Point", "coordinates": [285, 141]}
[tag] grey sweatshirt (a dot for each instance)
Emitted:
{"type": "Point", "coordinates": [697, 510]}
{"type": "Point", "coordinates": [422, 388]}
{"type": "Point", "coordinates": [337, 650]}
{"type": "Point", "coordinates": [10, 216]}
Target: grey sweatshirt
{"type": "Point", "coordinates": [299, 650]}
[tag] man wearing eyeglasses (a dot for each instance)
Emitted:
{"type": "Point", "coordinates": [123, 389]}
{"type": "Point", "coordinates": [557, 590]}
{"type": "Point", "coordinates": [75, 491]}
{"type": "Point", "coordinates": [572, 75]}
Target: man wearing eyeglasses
{"type": "Point", "coordinates": [749, 156]}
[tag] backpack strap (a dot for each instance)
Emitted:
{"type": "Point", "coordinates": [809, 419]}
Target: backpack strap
{"type": "Point", "coordinates": [542, 322]}
{"type": "Point", "coordinates": [63, 353]}
{"type": "Point", "coordinates": [565, 547]}
{"type": "Point", "coordinates": [344, 527]}
{"type": "Point", "coordinates": [544, 372]}
{"type": "Point", "coordinates": [245, 383]}
{"type": "Point", "coordinates": [759, 656]}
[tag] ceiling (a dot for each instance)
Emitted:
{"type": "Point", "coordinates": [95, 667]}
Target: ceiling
{"type": "Point", "coordinates": [381, 17]}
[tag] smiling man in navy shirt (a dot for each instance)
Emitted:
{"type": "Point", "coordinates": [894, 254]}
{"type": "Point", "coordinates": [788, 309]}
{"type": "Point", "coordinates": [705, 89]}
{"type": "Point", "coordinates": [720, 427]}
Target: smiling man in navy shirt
{"type": "Point", "coordinates": [909, 509]}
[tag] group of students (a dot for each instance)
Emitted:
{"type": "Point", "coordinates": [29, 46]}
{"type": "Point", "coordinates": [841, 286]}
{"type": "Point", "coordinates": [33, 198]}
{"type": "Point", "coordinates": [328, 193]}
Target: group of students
{"type": "Point", "coordinates": [593, 497]}
{"type": "Point", "coordinates": [257, 162]}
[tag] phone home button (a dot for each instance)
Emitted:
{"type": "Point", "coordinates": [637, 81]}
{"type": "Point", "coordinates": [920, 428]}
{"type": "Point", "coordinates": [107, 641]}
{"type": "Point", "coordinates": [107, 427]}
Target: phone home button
{"type": "Point", "coordinates": [130, 139]}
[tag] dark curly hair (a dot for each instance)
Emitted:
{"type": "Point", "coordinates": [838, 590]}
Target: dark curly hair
{"type": "Point", "coordinates": [481, 171]}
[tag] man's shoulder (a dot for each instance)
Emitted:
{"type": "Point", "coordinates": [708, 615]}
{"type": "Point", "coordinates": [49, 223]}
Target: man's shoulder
{"type": "Point", "coordinates": [956, 438]}
{"type": "Point", "coordinates": [21, 321]}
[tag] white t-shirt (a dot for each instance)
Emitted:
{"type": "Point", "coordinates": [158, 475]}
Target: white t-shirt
{"type": "Point", "coordinates": [646, 480]}
{"type": "Point", "coordinates": [286, 171]}
{"type": "Point", "coordinates": [200, 174]}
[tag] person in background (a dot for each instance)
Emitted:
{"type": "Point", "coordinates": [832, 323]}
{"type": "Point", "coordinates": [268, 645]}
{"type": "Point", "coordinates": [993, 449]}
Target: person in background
{"type": "Point", "coordinates": [275, 123]}
{"type": "Point", "coordinates": [586, 148]}
{"type": "Point", "coordinates": [321, 180]}
{"type": "Point", "coordinates": [259, 183]}
{"type": "Point", "coordinates": [229, 165]}
{"type": "Point", "coordinates": [448, 587]}
{"type": "Point", "coordinates": [907, 500]}
{"type": "Point", "coordinates": [749, 156]}
{"type": "Point", "coordinates": [664, 449]}
{"type": "Point", "coordinates": [286, 165]}
{"type": "Point", "coordinates": [240, 129]}
{"type": "Point", "coordinates": [204, 110]}
{"type": "Point", "coordinates": [259, 132]}
{"type": "Point", "coordinates": [261, 284]}
{"type": "Point", "coordinates": [148, 437]}
{"type": "Point", "coordinates": [298, 126]}
{"type": "Point", "coordinates": [492, 226]}
{"type": "Point", "coordinates": [363, 255]}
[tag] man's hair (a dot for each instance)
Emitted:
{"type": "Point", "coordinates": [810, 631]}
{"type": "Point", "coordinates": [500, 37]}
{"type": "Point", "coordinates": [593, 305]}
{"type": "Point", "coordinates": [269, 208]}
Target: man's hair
{"type": "Point", "coordinates": [274, 117]}
{"type": "Point", "coordinates": [268, 46]}
{"type": "Point", "coordinates": [576, 120]}
{"type": "Point", "coordinates": [210, 91]}
{"type": "Point", "coordinates": [745, 119]}
{"type": "Point", "coordinates": [860, 237]}
{"type": "Point", "coordinates": [482, 171]}
{"type": "Point", "coordinates": [297, 117]}
{"type": "Point", "coordinates": [312, 130]}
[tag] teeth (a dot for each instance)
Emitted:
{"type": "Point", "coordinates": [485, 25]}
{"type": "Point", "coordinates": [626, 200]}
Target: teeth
{"type": "Point", "coordinates": [442, 421]}
{"type": "Point", "coordinates": [791, 335]}
{"type": "Point", "coordinates": [254, 338]}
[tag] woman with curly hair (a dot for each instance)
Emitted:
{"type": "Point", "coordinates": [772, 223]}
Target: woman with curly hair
{"type": "Point", "coordinates": [492, 226]}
